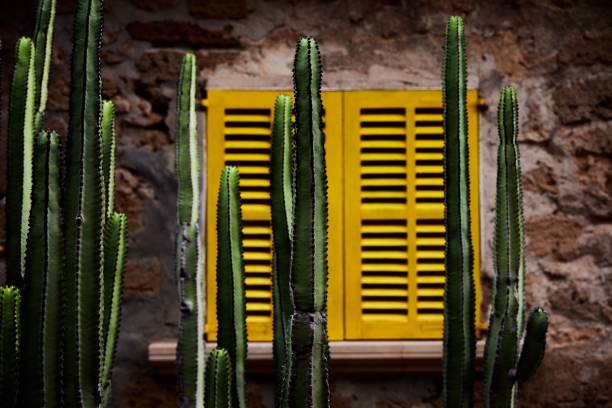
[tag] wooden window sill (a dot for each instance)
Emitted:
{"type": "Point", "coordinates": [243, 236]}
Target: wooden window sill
{"type": "Point", "coordinates": [346, 356]}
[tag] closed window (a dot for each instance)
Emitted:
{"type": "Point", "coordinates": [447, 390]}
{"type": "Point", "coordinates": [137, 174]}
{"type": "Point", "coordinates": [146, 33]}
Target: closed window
{"type": "Point", "coordinates": [386, 208]}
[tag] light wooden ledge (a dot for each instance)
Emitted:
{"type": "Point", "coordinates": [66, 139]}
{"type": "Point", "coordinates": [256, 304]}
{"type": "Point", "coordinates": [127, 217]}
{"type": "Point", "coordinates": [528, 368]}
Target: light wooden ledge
{"type": "Point", "coordinates": [346, 356]}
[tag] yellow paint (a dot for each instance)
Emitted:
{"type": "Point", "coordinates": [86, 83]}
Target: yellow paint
{"type": "Point", "coordinates": [373, 292]}
{"type": "Point", "coordinates": [394, 213]}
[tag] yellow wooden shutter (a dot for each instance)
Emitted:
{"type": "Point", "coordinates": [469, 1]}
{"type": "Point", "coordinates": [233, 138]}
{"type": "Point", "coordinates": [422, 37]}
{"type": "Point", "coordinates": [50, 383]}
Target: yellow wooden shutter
{"type": "Point", "coordinates": [394, 213]}
{"type": "Point", "coordinates": [238, 133]}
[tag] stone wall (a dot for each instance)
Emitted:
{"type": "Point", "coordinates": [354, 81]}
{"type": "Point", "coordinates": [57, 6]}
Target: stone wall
{"type": "Point", "coordinates": [558, 53]}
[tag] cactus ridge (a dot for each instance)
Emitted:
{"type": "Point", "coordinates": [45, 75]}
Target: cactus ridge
{"type": "Point", "coordinates": [231, 308]}
{"type": "Point", "coordinates": [218, 380]}
{"type": "Point", "coordinates": [459, 322]}
{"type": "Point", "coordinates": [10, 339]}
{"type": "Point", "coordinates": [281, 177]}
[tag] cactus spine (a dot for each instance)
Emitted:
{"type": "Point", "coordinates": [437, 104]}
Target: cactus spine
{"type": "Point", "coordinates": [10, 306]}
{"type": "Point", "coordinates": [218, 380]}
{"type": "Point", "coordinates": [503, 365]}
{"type": "Point", "coordinates": [309, 367]}
{"type": "Point", "coordinates": [190, 350]}
{"type": "Point", "coordinates": [231, 312]}
{"type": "Point", "coordinates": [459, 296]}
{"type": "Point", "coordinates": [281, 180]}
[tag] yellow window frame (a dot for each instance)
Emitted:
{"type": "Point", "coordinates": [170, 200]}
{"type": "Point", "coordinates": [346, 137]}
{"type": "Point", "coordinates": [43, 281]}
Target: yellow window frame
{"type": "Point", "coordinates": [232, 114]}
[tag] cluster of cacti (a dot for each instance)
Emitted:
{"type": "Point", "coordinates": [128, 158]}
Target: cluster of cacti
{"type": "Point", "coordinates": [190, 350]}
{"type": "Point", "coordinates": [503, 365]}
{"type": "Point", "coordinates": [299, 220]}
{"type": "Point", "coordinates": [66, 245]}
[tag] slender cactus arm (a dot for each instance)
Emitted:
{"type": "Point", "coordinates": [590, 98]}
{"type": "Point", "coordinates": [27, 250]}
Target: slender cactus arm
{"type": "Point", "coordinates": [534, 344]}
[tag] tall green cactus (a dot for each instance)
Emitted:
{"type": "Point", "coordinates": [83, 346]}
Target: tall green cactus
{"type": "Point", "coordinates": [218, 380]}
{"type": "Point", "coordinates": [42, 293]}
{"type": "Point", "coordinates": [231, 312]}
{"type": "Point", "coordinates": [459, 294]}
{"type": "Point", "coordinates": [10, 333]}
{"type": "Point", "coordinates": [83, 213]}
{"type": "Point", "coordinates": [503, 364]}
{"type": "Point", "coordinates": [309, 367]}
{"type": "Point", "coordinates": [190, 350]}
{"type": "Point", "coordinates": [281, 179]}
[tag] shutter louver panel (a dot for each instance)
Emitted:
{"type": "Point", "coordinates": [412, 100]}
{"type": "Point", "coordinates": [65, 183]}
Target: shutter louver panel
{"type": "Point", "coordinates": [239, 134]}
{"type": "Point", "coordinates": [394, 233]}
{"type": "Point", "coordinates": [429, 201]}
{"type": "Point", "coordinates": [384, 242]}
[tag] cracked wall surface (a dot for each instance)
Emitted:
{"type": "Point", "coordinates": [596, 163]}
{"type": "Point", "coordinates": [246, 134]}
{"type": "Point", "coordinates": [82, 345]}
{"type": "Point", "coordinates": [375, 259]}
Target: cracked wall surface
{"type": "Point", "coordinates": [558, 53]}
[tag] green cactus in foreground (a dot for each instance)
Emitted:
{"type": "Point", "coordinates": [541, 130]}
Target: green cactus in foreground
{"type": "Point", "coordinates": [281, 179]}
{"type": "Point", "coordinates": [459, 294]}
{"type": "Point", "coordinates": [309, 366]}
{"type": "Point", "coordinates": [190, 350]}
{"type": "Point", "coordinates": [218, 380]}
{"type": "Point", "coordinates": [67, 247]}
{"type": "Point", "coordinates": [10, 306]}
{"type": "Point", "coordinates": [231, 312]}
{"type": "Point", "coordinates": [503, 364]}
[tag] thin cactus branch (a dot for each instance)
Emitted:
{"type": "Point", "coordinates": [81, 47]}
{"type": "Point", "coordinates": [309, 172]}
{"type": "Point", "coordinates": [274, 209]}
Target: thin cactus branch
{"type": "Point", "coordinates": [190, 350]}
{"type": "Point", "coordinates": [281, 173]}
{"type": "Point", "coordinates": [19, 157]}
{"type": "Point", "coordinates": [187, 159]}
{"type": "Point", "coordinates": [459, 292]}
{"type": "Point", "coordinates": [534, 344]}
{"type": "Point", "coordinates": [231, 312]}
{"type": "Point", "coordinates": [218, 380]}
{"type": "Point", "coordinates": [10, 333]}
{"type": "Point", "coordinates": [115, 247]}
{"type": "Point", "coordinates": [42, 287]}
{"type": "Point", "coordinates": [43, 40]}
{"type": "Point", "coordinates": [107, 130]}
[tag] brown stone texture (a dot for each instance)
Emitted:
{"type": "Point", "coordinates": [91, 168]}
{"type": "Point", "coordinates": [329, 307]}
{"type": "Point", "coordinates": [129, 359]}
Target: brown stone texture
{"type": "Point", "coordinates": [558, 53]}
{"type": "Point", "coordinates": [218, 9]}
{"type": "Point", "coordinates": [180, 33]}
